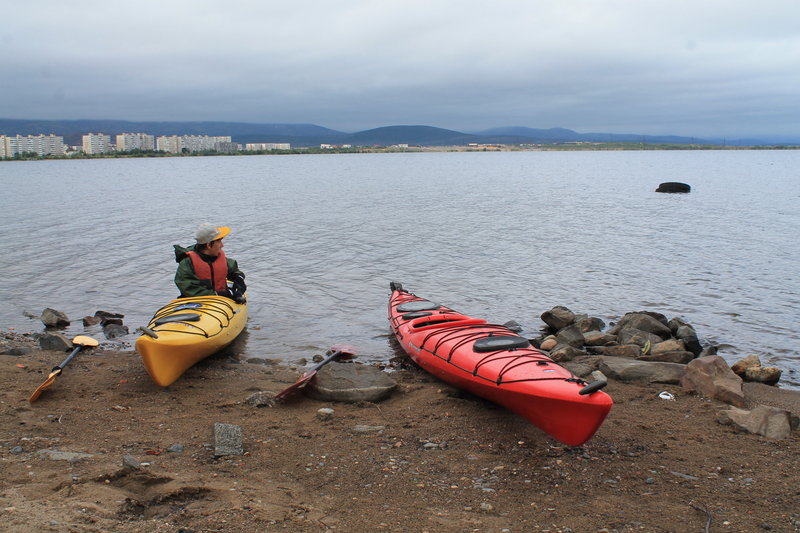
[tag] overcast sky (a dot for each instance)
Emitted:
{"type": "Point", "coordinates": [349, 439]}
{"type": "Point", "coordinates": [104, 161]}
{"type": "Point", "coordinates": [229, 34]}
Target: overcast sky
{"type": "Point", "coordinates": [695, 68]}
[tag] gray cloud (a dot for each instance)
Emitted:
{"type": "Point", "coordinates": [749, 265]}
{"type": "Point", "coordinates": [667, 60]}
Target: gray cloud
{"type": "Point", "coordinates": [689, 68]}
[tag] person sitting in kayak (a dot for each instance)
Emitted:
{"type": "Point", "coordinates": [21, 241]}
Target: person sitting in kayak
{"type": "Point", "coordinates": [203, 269]}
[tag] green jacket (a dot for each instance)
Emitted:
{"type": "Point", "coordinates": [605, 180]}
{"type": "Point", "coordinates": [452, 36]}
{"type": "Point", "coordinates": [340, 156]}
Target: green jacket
{"type": "Point", "coordinates": [185, 278]}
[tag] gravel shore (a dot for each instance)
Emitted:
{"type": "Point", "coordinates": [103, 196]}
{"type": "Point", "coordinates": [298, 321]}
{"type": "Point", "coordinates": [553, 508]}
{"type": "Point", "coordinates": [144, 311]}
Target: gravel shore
{"type": "Point", "coordinates": [140, 458]}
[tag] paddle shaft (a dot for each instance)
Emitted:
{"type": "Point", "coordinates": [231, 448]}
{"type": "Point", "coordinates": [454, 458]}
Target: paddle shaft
{"type": "Point", "coordinates": [66, 361]}
{"type": "Point", "coordinates": [328, 359]}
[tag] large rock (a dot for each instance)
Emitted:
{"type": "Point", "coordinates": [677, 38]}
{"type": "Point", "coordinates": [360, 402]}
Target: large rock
{"type": "Point", "coordinates": [570, 335]}
{"type": "Point", "coordinates": [623, 369]}
{"type": "Point", "coordinates": [764, 374]}
{"type": "Point", "coordinates": [689, 337]}
{"type": "Point", "coordinates": [54, 319]}
{"type": "Point", "coordinates": [637, 336]}
{"type": "Point", "coordinates": [54, 341]}
{"type": "Point", "coordinates": [580, 369]}
{"type": "Point", "coordinates": [622, 350]}
{"type": "Point", "coordinates": [585, 324]}
{"type": "Point", "coordinates": [674, 187]}
{"type": "Point", "coordinates": [770, 422]}
{"type": "Point", "coordinates": [740, 367]}
{"type": "Point", "coordinates": [350, 382]}
{"type": "Point", "coordinates": [669, 345]}
{"type": "Point", "coordinates": [558, 317]}
{"type": "Point", "coordinates": [645, 322]}
{"type": "Point", "coordinates": [598, 338]}
{"type": "Point", "coordinates": [565, 352]}
{"type": "Point", "coordinates": [712, 377]}
{"type": "Point", "coordinates": [678, 356]}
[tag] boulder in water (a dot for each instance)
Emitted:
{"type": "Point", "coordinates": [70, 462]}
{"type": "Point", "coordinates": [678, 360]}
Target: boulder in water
{"type": "Point", "coordinates": [674, 186]}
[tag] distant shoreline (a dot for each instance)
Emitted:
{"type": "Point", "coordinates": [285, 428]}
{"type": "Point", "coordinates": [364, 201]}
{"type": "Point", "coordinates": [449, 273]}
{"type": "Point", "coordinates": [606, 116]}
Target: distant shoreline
{"type": "Point", "coordinates": [565, 147]}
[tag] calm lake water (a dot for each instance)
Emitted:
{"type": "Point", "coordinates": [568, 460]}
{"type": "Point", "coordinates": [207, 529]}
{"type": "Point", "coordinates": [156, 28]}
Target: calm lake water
{"type": "Point", "coordinates": [500, 236]}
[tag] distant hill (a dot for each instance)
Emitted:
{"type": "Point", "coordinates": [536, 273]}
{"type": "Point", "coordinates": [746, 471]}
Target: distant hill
{"type": "Point", "coordinates": [313, 135]}
{"type": "Point", "coordinates": [414, 135]}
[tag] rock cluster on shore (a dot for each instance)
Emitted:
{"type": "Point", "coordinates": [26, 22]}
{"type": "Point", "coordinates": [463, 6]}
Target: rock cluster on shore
{"type": "Point", "coordinates": [110, 322]}
{"type": "Point", "coordinates": [646, 346]}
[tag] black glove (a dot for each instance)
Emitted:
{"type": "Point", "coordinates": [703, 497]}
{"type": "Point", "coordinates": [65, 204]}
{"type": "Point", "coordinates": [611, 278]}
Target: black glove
{"type": "Point", "coordinates": [237, 295]}
{"type": "Point", "coordinates": [238, 281]}
{"type": "Point", "coordinates": [227, 293]}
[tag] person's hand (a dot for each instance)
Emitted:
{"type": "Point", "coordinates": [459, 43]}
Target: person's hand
{"type": "Point", "coordinates": [237, 295]}
{"type": "Point", "coordinates": [226, 293]}
{"type": "Point", "coordinates": [238, 281]}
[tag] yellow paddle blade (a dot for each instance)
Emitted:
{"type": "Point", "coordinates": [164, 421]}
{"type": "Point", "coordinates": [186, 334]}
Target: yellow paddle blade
{"type": "Point", "coordinates": [83, 340]}
{"type": "Point", "coordinates": [49, 381]}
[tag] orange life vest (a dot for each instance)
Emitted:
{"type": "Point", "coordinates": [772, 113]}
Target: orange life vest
{"type": "Point", "coordinates": [216, 272]}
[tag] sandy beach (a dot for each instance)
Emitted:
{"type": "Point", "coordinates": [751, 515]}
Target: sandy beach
{"type": "Point", "coordinates": [428, 459]}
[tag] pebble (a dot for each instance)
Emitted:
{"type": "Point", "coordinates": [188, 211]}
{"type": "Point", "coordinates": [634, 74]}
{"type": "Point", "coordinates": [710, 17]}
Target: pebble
{"type": "Point", "coordinates": [175, 448]}
{"type": "Point", "coordinates": [362, 428]}
{"type": "Point", "coordinates": [326, 413]}
{"type": "Point", "coordinates": [131, 462]}
{"type": "Point", "coordinates": [16, 450]}
{"type": "Point", "coordinates": [261, 399]}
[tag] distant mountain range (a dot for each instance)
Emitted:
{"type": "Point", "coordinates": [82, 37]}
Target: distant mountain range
{"type": "Point", "coordinates": [313, 135]}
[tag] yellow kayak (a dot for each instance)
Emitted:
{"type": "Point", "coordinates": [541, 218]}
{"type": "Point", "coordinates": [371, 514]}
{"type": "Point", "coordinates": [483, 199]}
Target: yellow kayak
{"type": "Point", "coordinates": [187, 330]}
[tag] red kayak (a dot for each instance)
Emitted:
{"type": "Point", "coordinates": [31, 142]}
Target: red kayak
{"type": "Point", "coordinates": [493, 362]}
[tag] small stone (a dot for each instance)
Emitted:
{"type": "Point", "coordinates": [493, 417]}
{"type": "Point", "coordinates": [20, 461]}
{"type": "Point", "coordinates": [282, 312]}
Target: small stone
{"type": "Point", "coordinates": [362, 428]}
{"type": "Point", "coordinates": [549, 343]}
{"type": "Point", "coordinates": [72, 457]}
{"type": "Point", "coordinates": [90, 321]}
{"type": "Point", "coordinates": [598, 376]}
{"type": "Point", "coordinates": [261, 399]}
{"type": "Point", "coordinates": [16, 450]}
{"type": "Point", "coordinates": [112, 331]}
{"type": "Point", "coordinates": [227, 440]}
{"type": "Point", "coordinates": [175, 448]}
{"type": "Point", "coordinates": [326, 413]}
{"type": "Point", "coordinates": [131, 463]}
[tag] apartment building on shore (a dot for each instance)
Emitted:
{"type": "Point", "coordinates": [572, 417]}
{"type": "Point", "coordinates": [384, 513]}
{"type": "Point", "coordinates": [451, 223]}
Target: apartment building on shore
{"type": "Point", "coordinates": [41, 145]}
{"type": "Point", "coordinates": [267, 146]}
{"type": "Point", "coordinates": [97, 143]}
{"type": "Point", "coordinates": [176, 144]}
{"type": "Point", "coordinates": [135, 141]}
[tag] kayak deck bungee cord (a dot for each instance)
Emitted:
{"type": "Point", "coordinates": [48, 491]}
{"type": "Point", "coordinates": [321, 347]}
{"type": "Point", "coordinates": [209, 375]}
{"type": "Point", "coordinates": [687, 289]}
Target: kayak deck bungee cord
{"type": "Point", "coordinates": [491, 361]}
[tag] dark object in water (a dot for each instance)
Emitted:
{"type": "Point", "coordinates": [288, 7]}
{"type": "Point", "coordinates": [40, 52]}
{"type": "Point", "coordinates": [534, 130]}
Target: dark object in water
{"type": "Point", "coordinates": [674, 186]}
